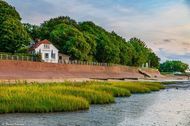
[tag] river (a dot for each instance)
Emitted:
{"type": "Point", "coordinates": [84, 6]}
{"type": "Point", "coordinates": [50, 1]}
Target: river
{"type": "Point", "coordinates": [169, 107]}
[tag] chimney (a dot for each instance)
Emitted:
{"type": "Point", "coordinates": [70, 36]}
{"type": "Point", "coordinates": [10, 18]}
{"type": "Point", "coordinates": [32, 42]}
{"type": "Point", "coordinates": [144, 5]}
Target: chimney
{"type": "Point", "coordinates": [37, 40]}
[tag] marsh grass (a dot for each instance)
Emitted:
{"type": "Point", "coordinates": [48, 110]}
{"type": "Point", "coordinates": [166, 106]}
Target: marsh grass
{"type": "Point", "coordinates": [101, 86]}
{"type": "Point", "coordinates": [139, 87]}
{"type": "Point", "coordinates": [35, 100]}
{"type": "Point", "coordinates": [67, 96]}
{"type": "Point", "coordinates": [115, 91]}
{"type": "Point", "coordinates": [93, 96]}
{"type": "Point", "coordinates": [169, 82]}
{"type": "Point", "coordinates": [156, 86]}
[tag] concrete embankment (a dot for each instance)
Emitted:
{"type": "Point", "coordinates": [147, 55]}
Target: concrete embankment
{"type": "Point", "coordinates": [16, 70]}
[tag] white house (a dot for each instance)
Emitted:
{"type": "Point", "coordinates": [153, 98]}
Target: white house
{"type": "Point", "coordinates": [47, 50]}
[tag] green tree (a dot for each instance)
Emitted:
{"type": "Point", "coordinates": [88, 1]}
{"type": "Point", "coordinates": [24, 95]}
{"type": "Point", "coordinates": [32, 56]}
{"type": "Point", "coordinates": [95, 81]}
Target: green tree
{"type": "Point", "coordinates": [142, 52]}
{"type": "Point", "coordinates": [107, 49]}
{"type": "Point", "coordinates": [13, 36]}
{"type": "Point", "coordinates": [127, 51]}
{"type": "Point", "coordinates": [48, 26]}
{"type": "Point", "coordinates": [90, 39]}
{"type": "Point", "coordinates": [87, 41]}
{"type": "Point", "coordinates": [107, 52]}
{"type": "Point", "coordinates": [71, 41]}
{"type": "Point", "coordinates": [7, 11]}
{"type": "Point", "coordinates": [33, 31]}
{"type": "Point", "coordinates": [173, 66]}
{"type": "Point", "coordinates": [154, 60]}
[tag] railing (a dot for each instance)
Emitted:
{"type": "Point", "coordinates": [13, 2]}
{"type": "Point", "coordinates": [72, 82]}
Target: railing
{"type": "Point", "coordinates": [19, 57]}
{"type": "Point", "coordinates": [84, 63]}
{"type": "Point", "coordinates": [4, 56]}
{"type": "Point", "coordinates": [36, 59]}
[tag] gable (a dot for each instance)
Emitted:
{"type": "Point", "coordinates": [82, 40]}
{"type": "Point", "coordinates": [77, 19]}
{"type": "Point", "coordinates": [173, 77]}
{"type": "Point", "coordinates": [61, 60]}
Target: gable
{"type": "Point", "coordinates": [44, 47]}
{"type": "Point", "coordinates": [41, 44]}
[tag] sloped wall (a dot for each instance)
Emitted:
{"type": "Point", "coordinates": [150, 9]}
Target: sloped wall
{"type": "Point", "coordinates": [38, 70]}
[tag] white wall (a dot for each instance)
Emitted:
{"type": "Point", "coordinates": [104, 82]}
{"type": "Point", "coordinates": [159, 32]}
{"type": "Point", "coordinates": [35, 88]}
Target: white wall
{"type": "Point", "coordinates": [49, 51]}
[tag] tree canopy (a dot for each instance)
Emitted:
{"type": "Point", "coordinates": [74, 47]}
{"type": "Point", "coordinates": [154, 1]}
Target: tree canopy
{"type": "Point", "coordinates": [70, 41]}
{"type": "Point", "coordinates": [7, 11]}
{"type": "Point", "coordinates": [89, 42]}
{"type": "Point", "coordinates": [13, 36]}
{"type": "Point", "coordinates": [173, 66]}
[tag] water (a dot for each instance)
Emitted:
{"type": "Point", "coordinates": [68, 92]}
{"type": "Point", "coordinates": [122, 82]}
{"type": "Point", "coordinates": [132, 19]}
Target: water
{"type": "Point", "coordinates": [170, 107]}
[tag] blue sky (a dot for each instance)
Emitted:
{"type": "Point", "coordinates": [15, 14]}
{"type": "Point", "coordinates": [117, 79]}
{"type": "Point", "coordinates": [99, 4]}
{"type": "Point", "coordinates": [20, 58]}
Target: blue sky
{"type": "Point", "coordinates": [163, 24]}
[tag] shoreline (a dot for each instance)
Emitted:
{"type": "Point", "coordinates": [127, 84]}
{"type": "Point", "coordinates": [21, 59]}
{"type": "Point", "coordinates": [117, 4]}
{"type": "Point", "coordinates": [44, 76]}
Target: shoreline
{"type": "Point", "coordinates": [8, 81]}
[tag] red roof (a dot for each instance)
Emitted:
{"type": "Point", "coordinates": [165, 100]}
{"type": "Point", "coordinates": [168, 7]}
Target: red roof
{"type": "Point", "coordinates": [36, 45]}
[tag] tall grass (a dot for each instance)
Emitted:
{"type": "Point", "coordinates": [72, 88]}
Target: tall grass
{"type": "Point", "coordinates": [153, 86]}
{"type": "Point", "coordinates": [32, 99]}
{"type": "Point", "coordinates": [115, 91]}
{"type": "Point", "coordinates": [139, 87]}
{"type": "Point", "coordinates": [67, 96]}
{"type": "Point", "coordinates": [93, 96]}
{"type": "Point", "coordinates": [100, 86]}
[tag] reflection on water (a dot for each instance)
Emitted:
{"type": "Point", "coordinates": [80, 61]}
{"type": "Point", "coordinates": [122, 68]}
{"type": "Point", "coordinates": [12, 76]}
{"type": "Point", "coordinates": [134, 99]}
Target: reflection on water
{"type": "Point", "coordinates": [169, 107]}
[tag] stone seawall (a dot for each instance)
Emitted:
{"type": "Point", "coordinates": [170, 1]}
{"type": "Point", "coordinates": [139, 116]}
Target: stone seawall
{"type": "Point", "coordinates": [37, 70]}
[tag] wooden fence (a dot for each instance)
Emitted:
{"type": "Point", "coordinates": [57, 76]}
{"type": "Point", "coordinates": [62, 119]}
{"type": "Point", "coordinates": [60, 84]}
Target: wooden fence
{"type": "Point", "coordinates": [19, 57]}
{"type": "Point", "coordinates": [36, 59]}
{"type": "Point", "coordinates": [85, 63]}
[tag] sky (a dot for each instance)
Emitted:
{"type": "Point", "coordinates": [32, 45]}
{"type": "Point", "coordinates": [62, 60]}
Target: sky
{"type": "Point", "coordinates": [163, 24]}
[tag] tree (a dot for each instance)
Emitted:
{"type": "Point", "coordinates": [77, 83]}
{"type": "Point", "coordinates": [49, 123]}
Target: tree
{"type": "Point", "coordinates": [7, 11]}
{"type": "Point", "coordinates": [173, 66]}
{"type": "Point", "coordinates": [107, 52]}
{"type": "Point", "coordinates": [107, 49]}
{"type": "Point", "coordinates": [33, 30]}
{"type": "Point", "coordinates": [71, 41]}
{"type": "Point", "coordinates": [90, 42]}
{"type": "Point", "coordinates": [48, 26]}
{"type": "Point", "coordinates": [142, 52]}
{"type": "Point", "coordinates": [90, 39]}
{"type": "Point", "coordinates": [13, 36]}
{"type": "Point", "coordinates": [154, 60]}
{"type": "Point", "coordinates": [127, 51]}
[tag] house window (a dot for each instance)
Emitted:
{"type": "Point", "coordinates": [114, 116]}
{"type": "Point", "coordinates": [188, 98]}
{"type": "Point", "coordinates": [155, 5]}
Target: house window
{"type": "Point", "coordinates": [46, 46]}
{"type": "Point", "coordinates": [53, 55]}
{"type": "Point", "coordinates": [60, 57]}
{"type": "Point", "coordinates": [47, 55]}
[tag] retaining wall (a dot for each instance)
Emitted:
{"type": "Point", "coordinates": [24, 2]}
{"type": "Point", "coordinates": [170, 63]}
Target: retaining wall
{"type": "Point", "coordinates": [38, 70]}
